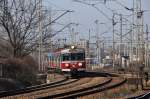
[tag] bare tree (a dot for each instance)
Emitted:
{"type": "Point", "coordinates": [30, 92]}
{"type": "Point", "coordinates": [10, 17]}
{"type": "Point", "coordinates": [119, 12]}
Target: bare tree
{"type": "Point", "coordinates": [19, 20]}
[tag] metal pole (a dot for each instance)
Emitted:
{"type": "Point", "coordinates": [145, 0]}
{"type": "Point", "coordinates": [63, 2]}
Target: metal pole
{"type": "Point", "coordinates": [40, 35]}
{"type": "Point", "coordinates": [146, 47]}
{"type": "Point", "coordinates": [120, 40]}
{"type": "Point", "coordinates": [132, 37]}
{"type": "Point", "coordinates": [89, 49]}
{"type": "Point", "coordinates": [113, 24]}
{"type": "Point", "coordinates": [97, 39]}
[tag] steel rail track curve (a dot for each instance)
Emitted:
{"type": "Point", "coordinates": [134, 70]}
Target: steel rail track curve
{"type": "Point", "coordinates": [81, 90]}
{"type": "Point", "coordinates": [85, 91]}
{"type": "Point", "coordinates": [53, 85]}
{"type": "Point", "coordinates": [97, 89]}
{"type": "Point", "coordinates": [36, 88]}
{"type": "Point", "coordinates": [143, 96]}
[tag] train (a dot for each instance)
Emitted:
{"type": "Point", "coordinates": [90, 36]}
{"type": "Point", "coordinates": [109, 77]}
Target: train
{"type": "Point", "coordinates": [68, 60]}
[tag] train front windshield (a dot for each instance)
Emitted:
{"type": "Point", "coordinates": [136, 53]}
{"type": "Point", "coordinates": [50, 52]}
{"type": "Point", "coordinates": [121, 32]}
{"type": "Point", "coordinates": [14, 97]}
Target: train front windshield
{"type": "Point", "coordinates": [77, 56]}
{"type": "Point", "coordinates": [73, 56]}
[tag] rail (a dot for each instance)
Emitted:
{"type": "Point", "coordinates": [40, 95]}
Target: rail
{"type": "Point", "coordinates": [32, 88]}
{"type": "Point", "coordinates": [85, 91]}
{"type": "Point", "coordinates": [143, 96]}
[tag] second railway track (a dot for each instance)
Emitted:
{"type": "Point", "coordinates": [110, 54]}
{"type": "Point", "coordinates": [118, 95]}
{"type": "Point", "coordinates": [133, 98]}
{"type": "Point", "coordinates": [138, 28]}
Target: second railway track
{"type": "Point", "coordinates": [110, 83]}
{"type": "Point", "coordinates": [12, 93]}
{"type": "Point", "coordinates": [69, 89]}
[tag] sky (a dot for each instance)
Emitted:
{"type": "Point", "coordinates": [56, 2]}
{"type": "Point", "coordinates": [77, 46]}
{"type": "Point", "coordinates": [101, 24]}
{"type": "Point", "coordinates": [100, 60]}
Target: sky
{"type": "Point", "coordinates": [85, 16]}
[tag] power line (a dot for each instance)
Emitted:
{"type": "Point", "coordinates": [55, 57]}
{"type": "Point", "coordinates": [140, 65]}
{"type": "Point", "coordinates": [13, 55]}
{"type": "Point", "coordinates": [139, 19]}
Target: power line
{"type": "Point", "coordinates": [53, 21]}
{"type": "Point", "coordinates": [94, 6]}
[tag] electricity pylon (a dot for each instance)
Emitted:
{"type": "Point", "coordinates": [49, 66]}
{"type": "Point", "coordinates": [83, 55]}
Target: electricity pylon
{"type": "Point", "coordinates": [139, 33]}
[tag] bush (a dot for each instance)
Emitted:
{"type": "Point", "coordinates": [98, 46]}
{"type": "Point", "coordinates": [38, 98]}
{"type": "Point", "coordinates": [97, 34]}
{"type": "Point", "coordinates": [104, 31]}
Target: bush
{"type": "Point", "coordinates": [23, 70]}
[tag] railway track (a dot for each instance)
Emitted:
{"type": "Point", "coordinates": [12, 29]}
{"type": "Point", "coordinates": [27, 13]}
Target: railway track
{"type": "Point", "coordinates": [82, 82]}
{"type": "Point", "coordinates": [87, 91]}
{"type": "Point", "coordinates": [142, 96]}
{"type": "Point", "coordinates": [67, 89]}
{"type": "Point", "coordinates": [74, 89]}
{"type": "Point", "coordinates": [28, 93]}
{"type": "Point", "coordinates": [36, 88]}
{"type": "Point", "coordinates": [98, 93]}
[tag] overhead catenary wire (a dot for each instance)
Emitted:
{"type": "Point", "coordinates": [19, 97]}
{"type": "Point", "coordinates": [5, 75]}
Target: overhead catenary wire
{"type": "Point", "coordinates": [106, 16]}
{"type": "Point", "coordinates": [53, 21]}
{"type": "Point", "coordinates": [119, 3]}
{"type": "Point", "coordinates": [94, 6]}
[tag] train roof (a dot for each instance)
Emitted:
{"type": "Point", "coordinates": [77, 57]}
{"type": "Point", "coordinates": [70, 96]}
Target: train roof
{"type": "Point", "coordinates": [76, 50]}
{"type": "Point", "coordinates": [67, 50]}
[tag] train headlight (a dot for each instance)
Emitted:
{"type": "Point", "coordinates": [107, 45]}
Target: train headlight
{"type": "Point", "coordinates": [80, 64]}
{"type": "Point", "coordinates": [73, 66]}
{"type": "Point", "coordinates": [66, 65]}
{"type": "Point", "coordinates": [72, 47]}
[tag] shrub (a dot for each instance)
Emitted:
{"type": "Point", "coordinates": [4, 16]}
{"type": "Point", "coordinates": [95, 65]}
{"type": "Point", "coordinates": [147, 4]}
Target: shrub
{"type": "Point", "coordinates": [21, 69]}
